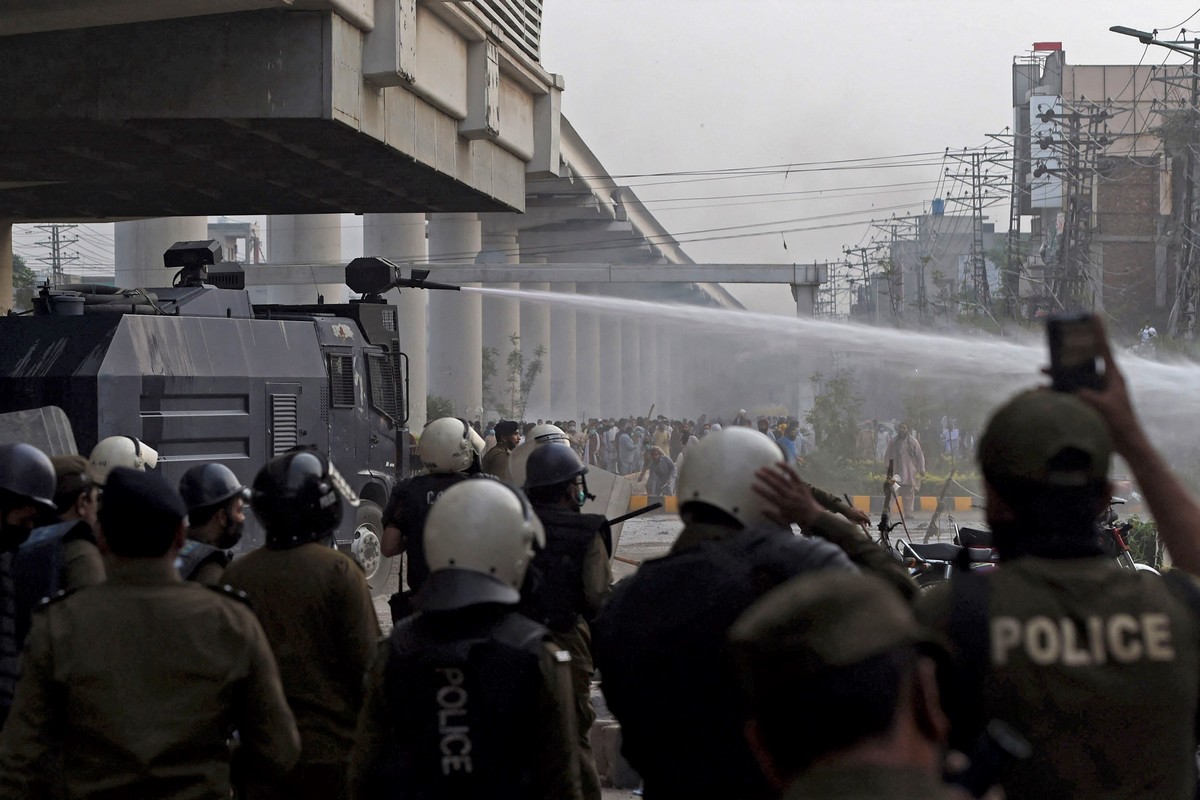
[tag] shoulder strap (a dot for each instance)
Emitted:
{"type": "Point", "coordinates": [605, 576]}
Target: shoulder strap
{"type": "Point", "coordinates": [1184, 589]}
{"type": "Point", "coordinates": [226, 590]}
{"type": "Point", "coordinates": [968, 630]}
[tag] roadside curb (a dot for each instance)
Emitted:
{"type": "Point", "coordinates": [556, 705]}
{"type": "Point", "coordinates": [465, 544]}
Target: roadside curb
{"type": "Point", "coordinates": [871, 504]}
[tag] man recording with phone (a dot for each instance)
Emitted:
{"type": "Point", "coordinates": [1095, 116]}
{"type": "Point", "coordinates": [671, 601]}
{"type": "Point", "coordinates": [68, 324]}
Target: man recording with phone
{"type": "Point", "coordinates": [1098, 667]}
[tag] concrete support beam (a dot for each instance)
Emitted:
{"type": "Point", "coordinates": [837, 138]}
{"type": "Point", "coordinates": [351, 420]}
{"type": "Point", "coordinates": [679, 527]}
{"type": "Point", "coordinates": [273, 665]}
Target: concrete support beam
{"type": "Point", "coordinates": [806, 299]}
{"type": "Point", "coordinates": [140, 246]}
{"type": "Point", "coordinates": [456, 327]}
{"type": "Point", "coordinates": [564, 357]}
{"type": "Point", "coordinates": [404, 235]}
{"type": "Point", "coordinates": [6, 267]}
{"type": "Point", "coordinates": [305, 237]}
{"type": "Point", "coordinates": [633, 400]}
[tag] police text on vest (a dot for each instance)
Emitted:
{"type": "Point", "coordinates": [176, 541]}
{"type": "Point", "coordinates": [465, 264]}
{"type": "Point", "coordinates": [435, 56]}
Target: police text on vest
{"type": "Point", "coordinates": [1119, 638]}
{"type": "Point", "coordinates": [453, 724]}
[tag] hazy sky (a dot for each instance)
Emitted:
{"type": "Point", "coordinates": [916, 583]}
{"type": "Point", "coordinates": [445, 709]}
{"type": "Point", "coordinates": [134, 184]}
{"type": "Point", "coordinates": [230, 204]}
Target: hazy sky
{"type": "Point", "coordinates": [688, 85]}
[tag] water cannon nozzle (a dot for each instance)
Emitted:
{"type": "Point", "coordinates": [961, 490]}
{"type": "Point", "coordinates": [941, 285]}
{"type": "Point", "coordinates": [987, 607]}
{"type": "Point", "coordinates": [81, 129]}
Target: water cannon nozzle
{"type": "Point", "coordinates": [372, 275]}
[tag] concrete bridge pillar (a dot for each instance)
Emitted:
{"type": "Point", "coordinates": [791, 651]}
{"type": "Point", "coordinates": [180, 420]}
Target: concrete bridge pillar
{"type": "Point", "coordinates": [535, 333]}
{"type": "Point", "coordinates": [296, 238]}
{"type": "Point", "coordinates": [587, 364]}
{"type": "Point", "coordinates": [633, 401]}
{"type": "Point", "coordinates": [401, 238]}
{"type": "Point", "coordinates": [455, 318]}
{"type": "Point", "coordinates": [140, 246]}
{"type": "Point", "coordinates": [501, 315]}
{"type": "Point", "coordinates": [682, 399]}
{"type": "Point", "coordinates": [611, 394]}
{"type": "Point", "coordinates": [651, 382]}
{"type": "Point", "coordinates": [564, 356]}
{"type": "Point", "coordinates": [666, 387]}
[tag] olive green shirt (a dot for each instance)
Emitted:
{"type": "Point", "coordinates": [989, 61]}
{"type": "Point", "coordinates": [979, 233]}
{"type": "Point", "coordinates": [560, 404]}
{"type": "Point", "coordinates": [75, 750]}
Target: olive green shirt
{"type": "Point", "coordinates": [835, 529]}
{"type": "Point", "coordinates": [83, 565]}
{"type": "Point", "coordinates": [862, 551]}
{"type": "Point", "coordinates": [316, 609]}
{"type": "Point", "coordinates": [495, 462]}
{"type": "Point", "coordinates": [131, 688]}
{"type": "Point", "coordinates": [1097, 666]}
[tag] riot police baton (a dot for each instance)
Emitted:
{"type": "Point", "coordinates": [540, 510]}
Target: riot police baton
{"type": "Point", "coordinates": [632, 514]}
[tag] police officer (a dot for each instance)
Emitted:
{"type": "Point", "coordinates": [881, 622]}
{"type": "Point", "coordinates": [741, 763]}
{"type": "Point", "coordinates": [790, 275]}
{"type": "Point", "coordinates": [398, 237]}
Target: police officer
{"type": "Point", "coordinates": [449, 450]}
{"type": "Point", "coordinates": [468, 699]}
{"type": "Point", "coordinates": [133, 687]}
{"type": "Point", "coordinates": [62, 556]}
{"type": "Point", "coordinates": [843, 693]}
{"type": "Point", "coordinates": [570, 577]}
{"type": "Point", "coordinates": [216, 508]}
{"type": "Point", "coordinates": [26, 491]}
{"type": "Point", "coordinates": [1096, 665]}
{"type": "Point", "coordinates": [315, 606]}
{"type": "Point", "coordinates": [660, 643]}
{"type": "Point", "coordinates": [120, 451]}
{"type": "Point", "coordinates": [536, 436]}
{"type": "Point", "coordinates": [495, 460]}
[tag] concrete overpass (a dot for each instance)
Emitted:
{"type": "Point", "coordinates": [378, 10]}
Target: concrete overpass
{"type": "Point", "coordinates": [433, 119]}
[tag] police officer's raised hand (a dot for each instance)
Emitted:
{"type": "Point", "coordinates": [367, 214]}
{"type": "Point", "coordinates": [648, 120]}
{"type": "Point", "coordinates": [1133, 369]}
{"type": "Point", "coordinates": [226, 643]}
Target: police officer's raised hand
{"type": "Point", "coordinates": [1112, 402]}
{"type": "Point", "coordinates": [791, 497]}
{"type": "Point", "coordinates": [857, 516]}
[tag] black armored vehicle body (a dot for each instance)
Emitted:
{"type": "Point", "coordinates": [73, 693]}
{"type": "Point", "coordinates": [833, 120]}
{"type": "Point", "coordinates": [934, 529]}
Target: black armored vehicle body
{"type": "Point", "coordinates": [200, 374]}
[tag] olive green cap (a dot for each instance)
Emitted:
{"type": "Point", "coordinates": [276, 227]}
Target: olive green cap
{"type": "Point", "coordinates": [1046, 437]}
{"type": "Point", "coordinates": [824, 620]}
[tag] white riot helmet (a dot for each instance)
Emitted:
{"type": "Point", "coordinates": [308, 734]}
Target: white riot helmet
{"type": "Point", "coordinates": [448, 445]}
{"type": "Point", "coordinates": [719, 471]}
{"type": "Point", "coordinates": [538, 435]}
{"type": "Point", "coordinates": [480, 536]}
{"type": "Point", "coordinates": [120, 451]}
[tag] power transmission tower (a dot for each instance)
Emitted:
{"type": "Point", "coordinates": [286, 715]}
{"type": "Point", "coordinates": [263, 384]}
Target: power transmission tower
{"type": "Point", "coordinates": [55, 243]}
{"type": "Point", "coordinates": [1078, 142]}
{"type": "Point", "coordinates": [983, 174]}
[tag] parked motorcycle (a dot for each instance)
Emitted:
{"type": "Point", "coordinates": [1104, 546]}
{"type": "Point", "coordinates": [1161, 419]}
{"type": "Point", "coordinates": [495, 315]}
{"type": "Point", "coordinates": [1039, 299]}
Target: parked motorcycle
{"type": "Point", "coordinates": [973, 548]}
{"type": "Point", "coordinates": [1114, 538]}
{"type": "Point", "coordinates": [931, 564]}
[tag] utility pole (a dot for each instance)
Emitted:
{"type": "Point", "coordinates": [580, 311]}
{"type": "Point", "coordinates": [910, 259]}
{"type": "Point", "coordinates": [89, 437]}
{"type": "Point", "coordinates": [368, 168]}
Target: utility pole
{"type": "Point", "coordinates": [55, 243]}
{"type": "Point", "coordinates": [1077, 150]}
{"type": "Point", "coordinates": [1183, 312]}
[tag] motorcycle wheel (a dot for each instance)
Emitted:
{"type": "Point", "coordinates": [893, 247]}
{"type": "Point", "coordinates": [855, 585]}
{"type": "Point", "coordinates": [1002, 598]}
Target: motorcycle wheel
{"type": "Point", "coordinates": [927, 580]}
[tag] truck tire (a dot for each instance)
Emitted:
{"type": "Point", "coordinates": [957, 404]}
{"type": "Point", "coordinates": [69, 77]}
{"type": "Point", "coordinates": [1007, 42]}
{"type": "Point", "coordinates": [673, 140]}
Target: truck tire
{"type": "Point", "coordinates": [366, 548]}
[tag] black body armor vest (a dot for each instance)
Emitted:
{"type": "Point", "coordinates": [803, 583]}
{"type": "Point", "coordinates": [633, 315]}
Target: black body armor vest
{"type": "Point", "coordinates": [553, 590]}
{"type": "Point", "coordinates": [459, 687]}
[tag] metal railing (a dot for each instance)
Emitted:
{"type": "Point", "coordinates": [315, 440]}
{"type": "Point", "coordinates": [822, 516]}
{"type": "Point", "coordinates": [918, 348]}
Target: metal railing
{"type": "Point", "coordinates": [520, 20]}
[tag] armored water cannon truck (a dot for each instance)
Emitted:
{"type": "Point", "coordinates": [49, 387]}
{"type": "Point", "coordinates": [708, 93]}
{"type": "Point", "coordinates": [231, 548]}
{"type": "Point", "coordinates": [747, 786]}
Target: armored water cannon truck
{"type": "Point", "coordinates": [201, 374]}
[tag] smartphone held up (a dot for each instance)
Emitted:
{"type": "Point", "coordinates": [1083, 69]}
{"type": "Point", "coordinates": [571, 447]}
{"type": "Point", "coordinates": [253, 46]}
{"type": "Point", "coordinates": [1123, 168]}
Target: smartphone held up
{"type": "Point", "coordinates": [1074, 352]}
